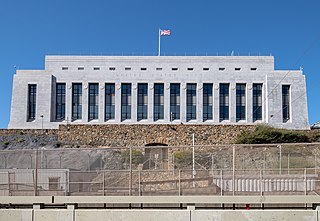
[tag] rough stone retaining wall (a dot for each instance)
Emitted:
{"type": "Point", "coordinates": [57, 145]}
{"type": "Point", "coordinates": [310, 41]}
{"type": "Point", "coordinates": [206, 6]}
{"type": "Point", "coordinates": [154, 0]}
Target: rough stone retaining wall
{"type": "Point", "coordinates": [27, 139]}
{"type": "Point", "coordinates": [141, 135]}
{"type": "Point", "coordinates": [27, 131]}
{"type": "Point", "coordinates": [120, 135]}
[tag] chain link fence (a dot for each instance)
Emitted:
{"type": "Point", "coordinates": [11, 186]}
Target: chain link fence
{"type": "Point", "coordinates": [161, 170]}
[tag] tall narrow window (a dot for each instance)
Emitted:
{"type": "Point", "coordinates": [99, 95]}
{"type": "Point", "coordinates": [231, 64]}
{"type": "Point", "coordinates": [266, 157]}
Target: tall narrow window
{"type": "Point", "coordinates": [191, 102]}
{"type": "Point", "coordinates": [76, 101]}
{"type": "Point", "coordinates": [257, 102]}
{"type": "Point", "coordinates": [110, 101]}
{"type": "Point", "coordinates": [158, 102]}
{"type": "Point", "coordinates": [142, 102]}
{"type": "Point", "coordinates": [60, 101]}
{"type": "Point", "coordinates": [285, 103]}
{"type": "Point", "coordinates": [207, 102]}
{"type": "Point", "coordinates": [32, 95]}
{"type": "Point", "coordinates": [174, 101]}
{"type": "Point", "coordinates": [93, 101]}
{"type": "Point", "coordinates": [125, 101]}
{"type": "Point", "coordinates": [240, 102]}
{"type": "Point", "coordinates": [224, 102]}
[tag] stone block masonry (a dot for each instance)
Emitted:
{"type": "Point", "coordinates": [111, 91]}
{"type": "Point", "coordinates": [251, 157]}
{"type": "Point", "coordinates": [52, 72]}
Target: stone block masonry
{"type": "Point", "coordinates": [194, 85]}
{"type": "Point", "coordinates": [141, 135]}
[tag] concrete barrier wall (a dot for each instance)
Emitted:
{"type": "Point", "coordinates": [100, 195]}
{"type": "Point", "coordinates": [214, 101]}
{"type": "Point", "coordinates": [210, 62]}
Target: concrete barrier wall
{"type": "Point", "coordinates": [253, 215]}
{"type": "Point", "coordinates": [16, 215]}
{"type": "Point", "coordinates": [132, 215]}
{"type": "Point", "coordinates": [155, 215]}
{"type": "Point", "coordinates": [54, 215]}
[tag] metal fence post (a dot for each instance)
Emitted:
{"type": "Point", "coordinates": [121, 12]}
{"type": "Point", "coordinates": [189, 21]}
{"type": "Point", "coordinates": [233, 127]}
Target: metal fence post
{"type": "Point", "coordinates": [193, 162]}
{"type": "Point", "coordinates": [100, 162]}
{"type": "Point", "coordinates": [315, 164]}
{"type": "Point", "coordinates": [30, 155]}
{"type": "Point", "coordinates": [288, 162]}
{"type": "Point", "coordinates": [5, 161]}
{"type": "Point", "coordinates": [212, 164]}
{"type": "Point", "coordinates": [233, 169]}
{"type": "Point", "coordinates": [103, 182]}
{"type": "Point", "coordinates": [173, 169]}
{"type": "Point", "coordinates": [60, 162]}
{"type": "Point", "coordinates": [66, 184]}
{"type": "Point", "coordinates": [89, 167]}
{"type": "Point", "coordinates": [9, 183]}
{"type": "Point", "coordinates": [305, 181]}
{"type": "Point", "coordinates": [139, 184]}
{"type": "Point", "coordinates": [36, 174]}
{"type": "Point", "coordinates": [221, 182]}
{"type": "Point", "coordinates": [280, 156]}
{"type": "Point", "coordinates": [130, 181]}
{"type": "Point", "coordinates": [264, 161]}
{"type": "Point", "coordinates": [261, 184]}
{"type": "Point", "coordinates": [179, 182]}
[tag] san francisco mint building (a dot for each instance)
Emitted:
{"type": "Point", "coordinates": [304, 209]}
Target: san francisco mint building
{"type": "Point", "coordinates": [158, 90]}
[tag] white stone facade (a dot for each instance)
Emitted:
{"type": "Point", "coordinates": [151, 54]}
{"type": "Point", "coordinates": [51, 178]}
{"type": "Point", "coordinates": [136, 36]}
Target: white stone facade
{"type": "Point", "coordinates": [199, 70]}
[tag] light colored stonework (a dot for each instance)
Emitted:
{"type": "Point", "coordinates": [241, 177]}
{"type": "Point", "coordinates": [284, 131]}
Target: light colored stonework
{"type": "Point", "coordinates": [253, 69]}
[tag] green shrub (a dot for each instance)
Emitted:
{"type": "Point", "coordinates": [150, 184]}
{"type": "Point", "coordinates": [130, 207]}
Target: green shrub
{"type": "Point", "coordinates": [137, 156]}
{"type": "Point", "coordinates": [183, 157]}
{"type": "Point", "coordinates": [20, 140]}
{"type": "Point", "coordinates": [6, 143]}
{"type": "Point", "coordinates": [264, 134]}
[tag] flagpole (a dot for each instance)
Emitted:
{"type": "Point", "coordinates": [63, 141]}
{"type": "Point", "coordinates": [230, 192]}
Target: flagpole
{"type": "Point", "coordinates": [159, 42]}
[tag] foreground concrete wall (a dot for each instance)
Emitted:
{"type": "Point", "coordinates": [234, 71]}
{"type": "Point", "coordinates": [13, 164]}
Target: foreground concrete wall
{"type": "Point", "coordinates": [156, 215]}
{"type": "Point", "coordinates": [53, 215]}
{"type": "Point", "coordinates": [253, 215]}
{"type": "Point", "coordinates": [16, 215]}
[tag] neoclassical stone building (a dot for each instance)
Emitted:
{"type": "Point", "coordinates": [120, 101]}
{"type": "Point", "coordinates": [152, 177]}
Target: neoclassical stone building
{"type": "Point", "coordinates": [159, 90]}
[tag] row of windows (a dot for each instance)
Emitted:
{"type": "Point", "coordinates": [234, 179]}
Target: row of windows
{"type": "Point", "coordinates": [158, 105]}
{"type": "Point", "coordinates": [158, 69]}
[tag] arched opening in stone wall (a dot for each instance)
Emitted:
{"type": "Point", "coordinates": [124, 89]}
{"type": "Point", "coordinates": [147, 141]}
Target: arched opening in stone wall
{"type": "Point", "coordinates": [156, 156]}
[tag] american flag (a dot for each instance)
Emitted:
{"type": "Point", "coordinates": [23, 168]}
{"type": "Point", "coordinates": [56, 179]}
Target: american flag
{"type": "Point", "coordinates": [165, 32]}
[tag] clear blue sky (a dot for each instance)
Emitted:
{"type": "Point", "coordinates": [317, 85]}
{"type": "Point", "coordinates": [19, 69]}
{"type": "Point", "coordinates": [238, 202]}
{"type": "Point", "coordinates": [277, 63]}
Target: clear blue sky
{"type": "Point", "coordinates": [29, 30]}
